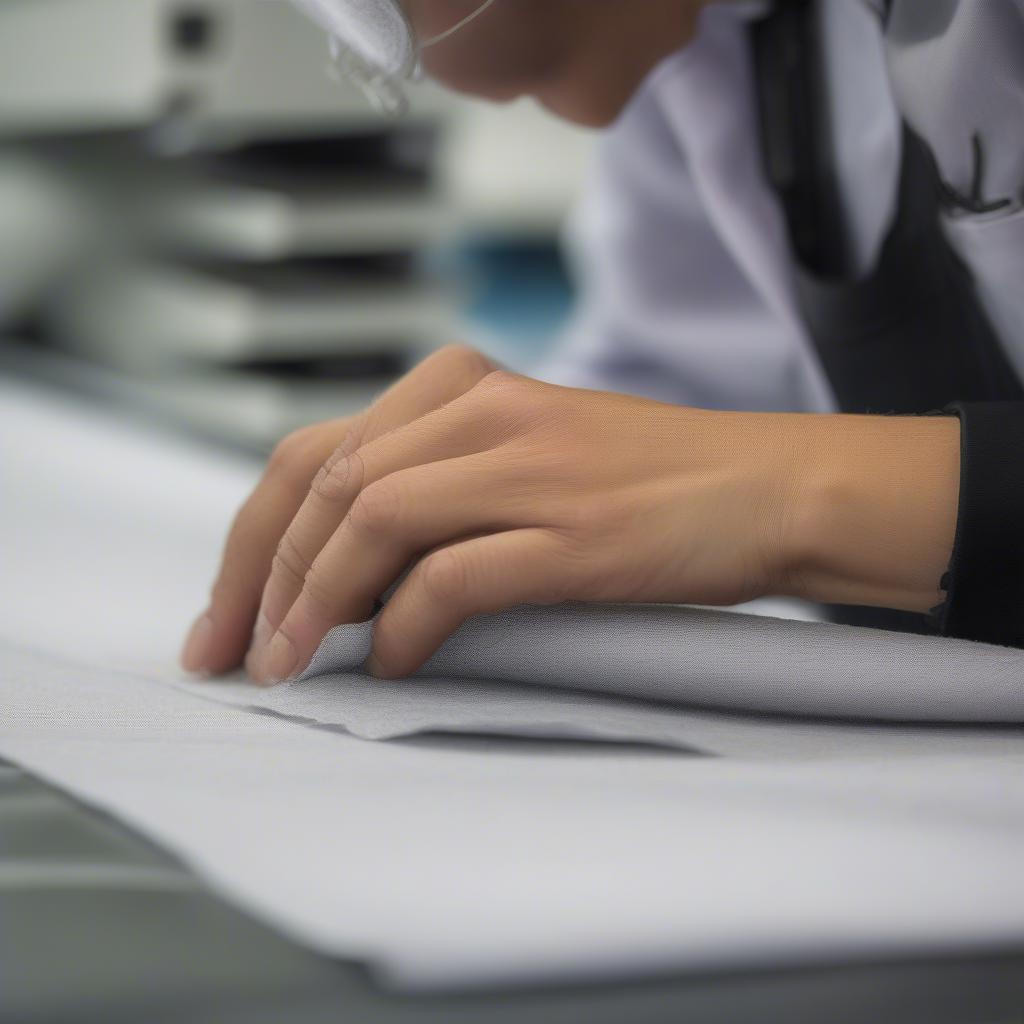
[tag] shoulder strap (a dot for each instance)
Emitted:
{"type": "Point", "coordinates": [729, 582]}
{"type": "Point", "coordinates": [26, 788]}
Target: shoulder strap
{"type": "Point", "coordinates": [910, 336]}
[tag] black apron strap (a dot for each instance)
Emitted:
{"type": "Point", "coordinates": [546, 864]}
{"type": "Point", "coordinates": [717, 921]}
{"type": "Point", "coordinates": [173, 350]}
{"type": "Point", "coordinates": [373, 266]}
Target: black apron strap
{"type": "Point", "coordinates": [910, 336]}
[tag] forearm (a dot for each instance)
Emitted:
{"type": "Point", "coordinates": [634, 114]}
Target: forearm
{"type": "Point", "coordinates": [873, 510]}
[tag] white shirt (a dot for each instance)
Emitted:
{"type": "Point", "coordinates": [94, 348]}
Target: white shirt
{"type": "Point", "coordinates": [680, 241]}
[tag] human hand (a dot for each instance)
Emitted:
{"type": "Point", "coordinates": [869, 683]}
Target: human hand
{"type": "Point", "coordinates": [511, 491]}
{"type": "Point", "coordinates": [256, 548]}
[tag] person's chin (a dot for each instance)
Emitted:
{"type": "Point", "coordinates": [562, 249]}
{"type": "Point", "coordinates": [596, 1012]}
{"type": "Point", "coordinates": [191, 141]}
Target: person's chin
{"type": "Point", "coordinates": [582, 112]}
{"type": "Point", "coordinates": [466, 83]}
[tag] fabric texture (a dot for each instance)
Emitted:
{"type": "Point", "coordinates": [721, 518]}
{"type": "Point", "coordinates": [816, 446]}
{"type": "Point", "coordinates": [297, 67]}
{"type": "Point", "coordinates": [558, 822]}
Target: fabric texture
{"type": "Point", "coordinates": [543, 861]}
{"type": "Point", "coordinates": [694, 679]}
{"type": "Point", "coordinates": [721, 659]}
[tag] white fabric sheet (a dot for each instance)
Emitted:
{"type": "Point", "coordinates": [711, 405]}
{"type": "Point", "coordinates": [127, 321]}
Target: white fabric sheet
{"type": "Point", "coordinates": [722, 659]}
{"type": "Point", "coordinates": [463, 861]}
{"type": "Point", "coordinates": [696, 679]}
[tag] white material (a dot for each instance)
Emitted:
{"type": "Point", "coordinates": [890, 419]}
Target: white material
{"type": "Point", "coordinates": [682, 248]}
{"type": "Point", "coordinates": [680, 242]}
{"type": "Point", "coordinates": [462, 862]}
{"type": "Point", "coordinates": [653, 674]}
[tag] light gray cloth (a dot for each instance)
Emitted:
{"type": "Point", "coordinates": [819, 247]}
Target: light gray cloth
{"type": "Point", "coordinates": [544, 861]}
{"type": "Point", "coordinates": [709, 681]}
{"type": "Point", "coordinates": [719, 659]}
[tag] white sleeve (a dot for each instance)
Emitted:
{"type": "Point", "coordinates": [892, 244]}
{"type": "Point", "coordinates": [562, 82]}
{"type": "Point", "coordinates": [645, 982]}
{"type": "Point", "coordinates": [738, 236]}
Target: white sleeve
{"type": "Point", "coordinates": [665, 309]}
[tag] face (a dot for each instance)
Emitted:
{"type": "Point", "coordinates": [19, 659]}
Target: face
{"type": "Point", "coordinates": [583, 59]}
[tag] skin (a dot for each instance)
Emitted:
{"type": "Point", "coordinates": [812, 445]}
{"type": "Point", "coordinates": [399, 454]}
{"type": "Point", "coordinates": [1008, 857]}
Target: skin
{"type": "Point", "coordinates": [479, 489]}
{"type": "Point", "coordinates": [582, 59]}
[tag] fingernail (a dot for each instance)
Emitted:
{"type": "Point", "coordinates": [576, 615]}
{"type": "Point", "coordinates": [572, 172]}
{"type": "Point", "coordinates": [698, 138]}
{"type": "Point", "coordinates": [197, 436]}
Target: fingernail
{"type": "Point", "coordinates": [196, 652]}
{"type": "Point", "coordinates": [280, 660]}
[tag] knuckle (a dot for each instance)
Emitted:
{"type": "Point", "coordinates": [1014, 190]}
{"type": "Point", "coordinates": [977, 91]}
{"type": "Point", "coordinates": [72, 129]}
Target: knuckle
{"type": "Point", "coordinates": [464, 360]}
{"type": "Point", "coordinates": [507, 396]}
{"type": "Point", "coordinates": [376, 509]}
{"type": "Point", "coordinates": [332, 480]}
{"type": "Point", "coordinates": [498, 380]}
{"type": "Point", "coordinates": [289, 561]}
{"type": "Point", "coordinates": [320, 593]}
{"type": "Point", "coordinates": [295, 458]}
{"type": "Point", "coordinates": [443, 575]}
{"type": "Point", "coordinates": [583, 519]}
{"type": "Point", "coordinates": [289, 448]}
{"type": "Point", "coordinates": [507, 403]}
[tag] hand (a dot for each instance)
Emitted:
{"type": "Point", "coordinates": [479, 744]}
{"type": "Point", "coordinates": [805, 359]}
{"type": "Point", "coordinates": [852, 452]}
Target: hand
{"type": "Point", "coordinates": [513, 492]}
{"type": "Point", "coordinates": [506, 491]}
{"type": "Point", "coordinates": [222, 634]}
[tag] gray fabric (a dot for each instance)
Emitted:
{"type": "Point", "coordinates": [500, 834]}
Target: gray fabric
{"type": "Point", "coordinates": [721, 659]}
{"type": "Point", "coordinates": [705, 681]}
{"type": "Point", "coordinates": [545, 862]}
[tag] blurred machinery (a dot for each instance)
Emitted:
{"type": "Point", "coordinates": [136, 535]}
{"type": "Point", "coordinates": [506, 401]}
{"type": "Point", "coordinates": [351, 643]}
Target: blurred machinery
{"type": "Point", "coordinates": [195, 215]}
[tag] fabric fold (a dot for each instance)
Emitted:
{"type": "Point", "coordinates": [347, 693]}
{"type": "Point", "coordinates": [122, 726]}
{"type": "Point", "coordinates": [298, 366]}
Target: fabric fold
{"type": "Point", "coordinates": [718, 659]}
{"type": "Point", "coordinates": [700, 681]}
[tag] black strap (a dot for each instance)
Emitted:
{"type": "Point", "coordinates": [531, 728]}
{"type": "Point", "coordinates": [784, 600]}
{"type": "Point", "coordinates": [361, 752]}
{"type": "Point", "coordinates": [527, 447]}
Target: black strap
{"type": "Point", "coordinates": [910, 336]}
{"type": "Point", "coordinates": [795, 133]}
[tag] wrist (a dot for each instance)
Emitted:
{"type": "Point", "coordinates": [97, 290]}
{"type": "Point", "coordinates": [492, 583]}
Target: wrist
{"type": "Point", "coordinates": [872, 510]}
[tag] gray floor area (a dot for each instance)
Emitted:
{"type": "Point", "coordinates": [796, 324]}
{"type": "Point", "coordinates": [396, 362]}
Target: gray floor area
{"type": "Point", "coordinates": [96, 924]}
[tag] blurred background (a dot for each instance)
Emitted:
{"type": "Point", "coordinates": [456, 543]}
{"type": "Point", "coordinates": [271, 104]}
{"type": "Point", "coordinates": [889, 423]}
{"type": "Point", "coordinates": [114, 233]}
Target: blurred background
{"type": "Point", "coordinates": [200, 223]}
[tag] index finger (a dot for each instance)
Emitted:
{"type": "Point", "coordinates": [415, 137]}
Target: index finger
{"type": "Point", "coordinates": [442, 378]}
{"type": "Point", "coordinates": [220, 636]}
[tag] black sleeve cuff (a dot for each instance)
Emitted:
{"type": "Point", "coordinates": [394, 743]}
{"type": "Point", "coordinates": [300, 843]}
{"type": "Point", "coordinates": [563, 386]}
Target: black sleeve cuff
{"type": "Point", "coordinates": [985, 582]}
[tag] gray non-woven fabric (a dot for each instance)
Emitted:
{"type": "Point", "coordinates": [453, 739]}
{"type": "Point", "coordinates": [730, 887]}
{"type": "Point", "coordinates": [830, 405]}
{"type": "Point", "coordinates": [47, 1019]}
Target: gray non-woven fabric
{"type": "Point", "coordinates": [545, 863]}
{"type": "Point", "coordinates": [718, 659]}
{"type": "Point", "coordinates": [700, 680]}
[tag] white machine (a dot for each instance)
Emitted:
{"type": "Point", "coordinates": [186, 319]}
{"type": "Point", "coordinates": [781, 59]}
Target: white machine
{"type": "Point", "coordinates": [194, 205]}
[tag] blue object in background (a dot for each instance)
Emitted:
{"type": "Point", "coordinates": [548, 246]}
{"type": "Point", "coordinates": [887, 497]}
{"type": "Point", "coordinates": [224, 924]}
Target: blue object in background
{"type": "Point", "coordinates": [519, 298]}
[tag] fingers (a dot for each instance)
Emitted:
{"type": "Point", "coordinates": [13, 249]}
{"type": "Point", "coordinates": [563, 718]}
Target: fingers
{"type": "Point", "coordinates": [391, 522]}
{"type": "Point", "coordinates": [325, 502]}
{"type": "Point", "coordinates": [485, 574]}
{"type": "Point", "coordinates": [445, 435]}
{"type": "Point", "coordinates": [223, 633]}
{"type": "Point", "coordinates": [220, 636]}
